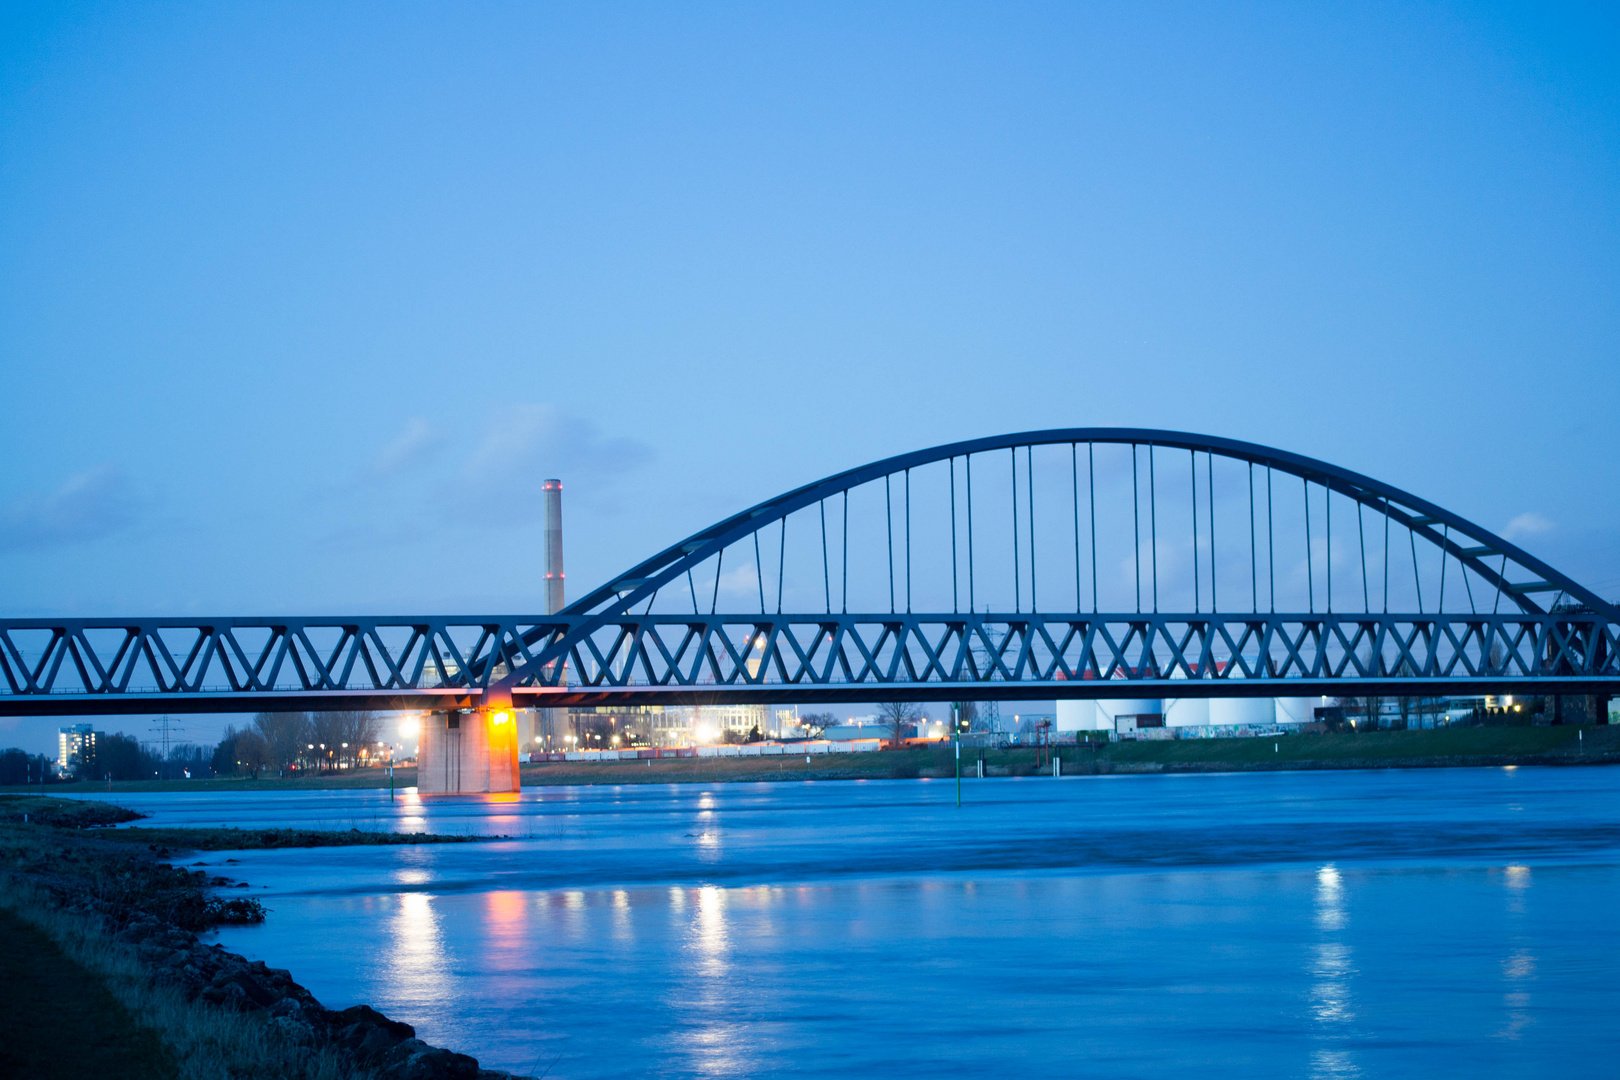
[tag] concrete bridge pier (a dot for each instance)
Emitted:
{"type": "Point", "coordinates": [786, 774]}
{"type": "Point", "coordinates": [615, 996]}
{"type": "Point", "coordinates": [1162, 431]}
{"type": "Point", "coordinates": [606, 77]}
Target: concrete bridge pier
{"type": "Point", "coordinates": [467, 751]}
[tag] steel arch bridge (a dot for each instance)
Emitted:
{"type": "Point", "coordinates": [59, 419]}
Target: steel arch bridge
{"type": "Point", "coordinates": [1077, 563]}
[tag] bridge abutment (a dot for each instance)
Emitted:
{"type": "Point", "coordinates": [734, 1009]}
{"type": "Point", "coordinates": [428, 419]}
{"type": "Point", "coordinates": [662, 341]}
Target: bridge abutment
{"type": "Point", "coordinates": [467, 752]}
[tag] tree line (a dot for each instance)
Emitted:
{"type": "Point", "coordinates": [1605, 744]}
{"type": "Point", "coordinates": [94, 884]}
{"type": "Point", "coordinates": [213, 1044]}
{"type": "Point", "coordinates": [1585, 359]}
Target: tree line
{"type": "Point", "coordinates": [273, 742]}
{"type": "Point", "coordinates": [120, 756]}
{"type": "Point", "coordinates": [300, 741]}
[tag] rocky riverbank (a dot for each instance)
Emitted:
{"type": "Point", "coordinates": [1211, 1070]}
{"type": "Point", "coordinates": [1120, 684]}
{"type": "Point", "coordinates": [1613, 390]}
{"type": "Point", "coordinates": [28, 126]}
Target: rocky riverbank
{"type": "Point", "coordinates": [370, 1041]}
{"type": "Point", "coordinates": [133, 919]}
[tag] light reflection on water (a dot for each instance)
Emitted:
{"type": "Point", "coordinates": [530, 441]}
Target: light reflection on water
{"type": "Point", "coordinates": [1325, 925]}
{"type": "Point", "coordinates": [416, 968]}
{"type": "Point", "coordinates": [1519, 966]}
{"type": "Point", "coordinates": [1331, 975]}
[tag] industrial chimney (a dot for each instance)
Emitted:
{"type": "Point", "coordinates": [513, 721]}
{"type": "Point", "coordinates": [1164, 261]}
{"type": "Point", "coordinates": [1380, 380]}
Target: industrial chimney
{"type": "Point", "coordinates": [552, 491]}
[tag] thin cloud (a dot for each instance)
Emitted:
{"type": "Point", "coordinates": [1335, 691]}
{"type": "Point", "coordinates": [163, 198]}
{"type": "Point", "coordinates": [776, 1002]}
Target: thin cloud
{"type": "Point", "coordinates": [412, 447]}
{"type": "Point", "coordinates": [1530, 524]}
{"type": "Point", "coordinates": [528, 443]}
{"type": "Point", "coordinates": [742, 580]}
{"type": "Point", "coordinates": [519, 446]}
{"type": "Point", "coordinates": [88, 506]}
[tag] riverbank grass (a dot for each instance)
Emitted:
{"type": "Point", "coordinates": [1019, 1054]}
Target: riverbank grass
{"type": "Point", "coordinates": [58, 1019]}
{"type": "Point", "coordinates": [99, 931]}
{"type": "Point", "coordinates": [57, 885]}
{"type": "Point", "coordinates": [1373, 749]}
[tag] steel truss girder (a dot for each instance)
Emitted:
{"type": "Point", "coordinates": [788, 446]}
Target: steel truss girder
{"type": "Point", "coordinates": [231, 665]}
{"type": "Point", "coordinates": [250, 664]}
{"type": "Point", "coordinates": [1201, 655]}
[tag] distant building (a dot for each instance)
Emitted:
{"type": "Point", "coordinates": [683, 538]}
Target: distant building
{"type": "Point", "coordinates": [1193, 717]}
{"type": "Point", "coordinates": [705, 725]}
{"type": "Point", "coordinates": [76, 750]}
{"type": "Point", "coordinates": [861, 727]}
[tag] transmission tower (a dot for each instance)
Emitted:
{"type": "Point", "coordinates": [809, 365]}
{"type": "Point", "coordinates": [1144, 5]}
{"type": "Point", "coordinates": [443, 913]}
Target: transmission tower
{"type": "Point", "coordinates": [167, 727]}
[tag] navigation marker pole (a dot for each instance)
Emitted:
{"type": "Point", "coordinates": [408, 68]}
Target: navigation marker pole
{"type": "Point", "coordinates": [956, 734]}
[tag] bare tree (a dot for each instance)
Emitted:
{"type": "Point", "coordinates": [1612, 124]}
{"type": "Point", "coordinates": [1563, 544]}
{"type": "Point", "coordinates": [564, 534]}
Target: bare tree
{"type": "Point", "coordinates": [356, 728]}
{"type": "Point", "coordinates": [338, 735]}
{"type": "Point", "coordinates": [285, 736]}
{"type": "Point", "coordinates": [1404, 703]}
{"type": "Point", "coordinates": [817, 723]}
{"type": "Point", "coordinates": [252, 753]}
{"type": "Point", "coordinates": [1370, 709]}
{"type": "Point", "coordinates": [898, 716]}
{"type": "Point", "coordinates": [326, 732]}
{"type": "Point", "coordinates": [368, 729]}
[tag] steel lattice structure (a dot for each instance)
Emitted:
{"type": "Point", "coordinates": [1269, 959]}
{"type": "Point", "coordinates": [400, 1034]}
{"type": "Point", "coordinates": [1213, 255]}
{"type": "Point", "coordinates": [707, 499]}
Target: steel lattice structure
{"type": "Point", "coordinates": [631, 641]}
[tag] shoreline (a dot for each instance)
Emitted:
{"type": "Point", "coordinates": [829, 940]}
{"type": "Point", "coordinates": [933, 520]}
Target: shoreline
{"type": "Point", "coordinates": [209, 1011]}
{"type": "Point", "coordinates": [1472, 747]}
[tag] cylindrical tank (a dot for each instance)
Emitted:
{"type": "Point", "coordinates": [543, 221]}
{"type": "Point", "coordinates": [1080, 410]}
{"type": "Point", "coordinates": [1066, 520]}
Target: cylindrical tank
{"type": "Point", "coordinates": [551, 493]}
{"type": "Point", "coordinates": [1186, 712]}
{"type": "Point", "coordinates": [1296, 710]}
{"type": "Point", "coordinates": [1077, 716]}
{"type": "Point", "coordinates": [1235, 711]}
{"type": "Point", "coordinates": [1115, 707]}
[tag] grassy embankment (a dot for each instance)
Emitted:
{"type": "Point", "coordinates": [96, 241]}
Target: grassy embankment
{"type": "Point", "coordinates": [66, 890]}
{"type": "Point", "coordinates": [1370, 750]}
{"type": "Point", "coordinates": [1382, 749]}
{"type": "Point", "coordinates": [82, 994]}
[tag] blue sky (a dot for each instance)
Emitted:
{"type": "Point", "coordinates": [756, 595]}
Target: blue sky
{"type": "Point", "coordinates": [299, 304]}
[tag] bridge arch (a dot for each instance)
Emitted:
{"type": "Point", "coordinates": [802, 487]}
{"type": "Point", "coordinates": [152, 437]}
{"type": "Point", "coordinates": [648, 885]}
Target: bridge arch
{"type": "Point", "coordinates": [1488, 574]}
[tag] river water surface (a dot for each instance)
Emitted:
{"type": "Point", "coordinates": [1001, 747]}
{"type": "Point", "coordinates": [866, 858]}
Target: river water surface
{"type": "Point", "coordinates": [1314, 924]}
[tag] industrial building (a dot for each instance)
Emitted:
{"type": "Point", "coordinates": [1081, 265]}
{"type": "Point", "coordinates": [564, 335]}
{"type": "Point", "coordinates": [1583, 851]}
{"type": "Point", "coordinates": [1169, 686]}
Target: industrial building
{"type": "Point", "coordinates": [1184, 717]}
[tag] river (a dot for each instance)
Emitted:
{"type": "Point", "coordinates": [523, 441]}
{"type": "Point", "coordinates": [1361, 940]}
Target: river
{"type": "Point", "coordinates": [1319, 924]}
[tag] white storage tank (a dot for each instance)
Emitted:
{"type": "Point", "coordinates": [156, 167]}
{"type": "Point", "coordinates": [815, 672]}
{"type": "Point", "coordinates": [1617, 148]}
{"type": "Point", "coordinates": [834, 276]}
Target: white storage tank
{"type": "Point", "coordinates": [1230, 712]}
{"type": "Point", "coordinates": [1296, 710]}
{"type": "Point", "coordinates": [1109, 711]}
{"type": "Point", "coordinates": [1077, 716]}
{"type": "Point", "coordinates": [1186, 712]}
